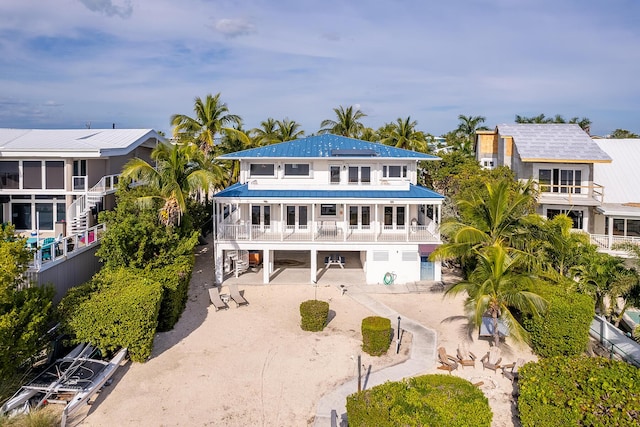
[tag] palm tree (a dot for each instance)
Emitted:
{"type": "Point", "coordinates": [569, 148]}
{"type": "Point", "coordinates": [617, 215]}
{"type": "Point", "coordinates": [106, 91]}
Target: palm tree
{"type": "Point", "coordinates": [211, 118]}
{"type": "Point", "coordinates": [369, 134]}
{"type": "Point", "coordinates": [468, 127]}
{"type": "Point", "coordinates": [234, 140]}
{"type": "Point", "coordinates": [623, 134]}
{"type": "Point", "coordinates": [403, 134]}
{"type": "Point", "coordinates": [288, 130]}
{"type": "Point", "coordinates": [495, 288]}
{"type": "Point", "coordinates": [267, 132]}
{"type": "Point", "coordinates": [347, 124]}
{"type": "Point", "coordinates": [180, 171]}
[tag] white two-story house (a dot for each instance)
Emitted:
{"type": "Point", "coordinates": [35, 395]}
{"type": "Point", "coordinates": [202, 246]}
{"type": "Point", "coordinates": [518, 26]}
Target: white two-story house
{"type": "Point", "coordinates": [560, 158]}
{"type": "Point", "coordinates": [337, 202]}
{"type": "Point", "coordinates": [55, 181]}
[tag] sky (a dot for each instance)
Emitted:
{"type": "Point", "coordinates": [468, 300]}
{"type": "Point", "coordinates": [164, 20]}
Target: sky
{"type": "Point", "coordinates": [134, 63]}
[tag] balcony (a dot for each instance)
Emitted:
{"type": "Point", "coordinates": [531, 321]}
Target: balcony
{"type": "Point", "coordinates": [579, 195]}
{"type": "Point", "coordinates": [323, 233]}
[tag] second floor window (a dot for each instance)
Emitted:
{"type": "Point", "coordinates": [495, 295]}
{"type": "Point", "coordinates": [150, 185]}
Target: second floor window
{"type": "Point", "coordinates": [560, 180]}
{"type": "Point", "coordinates": [334, 172]}
{"type": "Point", "coordinates": [360, 174]}
{"type": "Point", "coordinates": [261, 169]}
{"type": "Point", "coordinates": [296, 169]}
{"type": "Point", "coordinates": [394, 171]}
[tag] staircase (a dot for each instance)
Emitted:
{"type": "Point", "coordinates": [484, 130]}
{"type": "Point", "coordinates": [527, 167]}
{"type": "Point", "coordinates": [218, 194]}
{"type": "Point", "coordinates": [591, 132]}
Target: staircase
{"type": "Point", "coordinates": [79, 211]}
{"type": "Point", "coordinates": [240, 261]}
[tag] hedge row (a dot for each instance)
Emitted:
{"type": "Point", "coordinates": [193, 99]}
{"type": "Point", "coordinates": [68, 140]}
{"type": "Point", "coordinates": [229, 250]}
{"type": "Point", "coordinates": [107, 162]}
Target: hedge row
{"type": "Point", "coordinates": [175, 280]}
{"type": "Point", "coordinates": [117, 308]}
{"type": "Point", "coordinates": [428, 400]}
{"type": "Point", "coordinates": [579, 391]}
{"type": "Point", "coordinates": [563, 330]}
{"type": "Point", "coordinates": [313, 314]}
{"type": "Point", "coordinates": [376, 335]}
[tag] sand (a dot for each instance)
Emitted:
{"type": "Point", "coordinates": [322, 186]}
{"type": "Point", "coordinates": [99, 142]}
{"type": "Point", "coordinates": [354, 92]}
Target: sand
{"type": "Point", "coordinates": [253, 365]}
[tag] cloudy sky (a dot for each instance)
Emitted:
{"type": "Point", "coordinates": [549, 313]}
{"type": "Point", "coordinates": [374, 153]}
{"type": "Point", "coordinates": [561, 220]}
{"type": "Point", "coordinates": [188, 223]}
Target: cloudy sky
{"type": "Point", "coordinates": [67, 63]}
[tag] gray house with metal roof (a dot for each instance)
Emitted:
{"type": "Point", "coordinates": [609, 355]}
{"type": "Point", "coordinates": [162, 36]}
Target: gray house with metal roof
{"type": "Point", "coordinates": [560, 158]}
{"type": "Point", "coordinates": [329, 202]}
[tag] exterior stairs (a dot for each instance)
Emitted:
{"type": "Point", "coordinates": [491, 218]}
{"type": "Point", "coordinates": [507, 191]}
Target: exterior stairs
{"type": "Point", "coordinates": [79, 212]}
{"type": "Point", "coordinates": [240, 261]}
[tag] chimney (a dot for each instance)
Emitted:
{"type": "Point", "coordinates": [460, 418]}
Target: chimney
{"type": "Point", "coordinates": [113, 125]}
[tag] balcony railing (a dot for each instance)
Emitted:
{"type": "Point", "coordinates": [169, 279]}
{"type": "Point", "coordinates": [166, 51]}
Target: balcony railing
{"type": "Point", "coordinates": [323, 233]}
{"type": "Point", "coordinates": [603, 241]}
{"type": "Point", "coordinates": [572, 193]}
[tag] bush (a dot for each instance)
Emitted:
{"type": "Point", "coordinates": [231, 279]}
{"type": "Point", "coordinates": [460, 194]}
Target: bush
{"type": "Point", "coordinates": [583, 391]}
{"type": "Point", "coordinates": [314, 315]}
{"type": "Point", "coordinates": [376, 335]}
{"type": "Point", "coordinates": [175, 280]}
{"type": "Point", "coordinates": [563, 330]}
{"type": "Point", "coordinates": [117, 308]}
{"type": "Point", "coordinates": [428, 400]}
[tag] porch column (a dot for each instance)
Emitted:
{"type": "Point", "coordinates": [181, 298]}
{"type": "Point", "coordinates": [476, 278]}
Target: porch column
{"type": "Point", "coordinates": [610, 237]}
{"type": "Point", "coordinates": [439, 208]}
{"type": "Point", "coordinates": [407, 221]}
{"type": "Point", "coordinates": [218, 266]}
{"type": "Point", "coordinates": [314, 266]}
{"type": "Point", "coordinates": [283, 222]}
{"type": "Point", "coordinates": [376, 222]}
{"type": "Point", "coordinates": [344, 222]}
{"type": "Point", "coordinates": [266, 266]}
{"type": "Point", "coordinates": [314, 226]}
{"type": "Point", "coordinates": [250, 220]}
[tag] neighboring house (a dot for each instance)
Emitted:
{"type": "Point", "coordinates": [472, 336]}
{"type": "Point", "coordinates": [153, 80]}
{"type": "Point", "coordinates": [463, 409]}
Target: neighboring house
{"type": "Point", "coordinates": [560, 158]}
{"type": "Point", "coordinates": [55, 181]}
{"type": "Point", "coordinates": [335, 200]}
{"type": "Point", "coordinates": [618, 218]}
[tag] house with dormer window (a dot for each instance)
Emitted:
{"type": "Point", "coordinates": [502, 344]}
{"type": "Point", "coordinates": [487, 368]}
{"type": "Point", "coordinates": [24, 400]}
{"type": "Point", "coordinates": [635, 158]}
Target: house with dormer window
{"type": "Point", "coordinates": [560, 158]}
{"type": "Point", "coordinates": [336, 202]}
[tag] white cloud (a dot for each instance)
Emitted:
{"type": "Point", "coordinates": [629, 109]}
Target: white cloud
{"type": "Point", "coordinates": [108, 7]}
{"type": "Point", "coordinates": [233, 27]}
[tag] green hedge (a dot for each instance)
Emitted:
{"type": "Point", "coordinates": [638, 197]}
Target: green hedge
{"type": "Point", "coordinates": [117, 308]}
{"type": "Point", "coordinates": [314, 315]}
{"type": "Point", "coordinates": [428, 400]}
{"type": "Point", "coordinates": [175, 280]}
{"type": "Point", "coordinates": [376, 335]}
{"type": "Point", "coordinates": [563, 330]}
{"type": "Point", "coordinates": [579, 391]}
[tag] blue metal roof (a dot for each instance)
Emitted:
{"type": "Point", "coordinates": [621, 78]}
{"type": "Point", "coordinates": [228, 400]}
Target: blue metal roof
{"type": "Point", "coordinates": [242, 191]}
{"type": "Point", "coordinates": [328, 145]}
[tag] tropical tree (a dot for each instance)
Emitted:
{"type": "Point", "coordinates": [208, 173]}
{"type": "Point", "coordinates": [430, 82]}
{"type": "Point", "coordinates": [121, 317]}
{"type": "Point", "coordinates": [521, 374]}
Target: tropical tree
{"type": "Point", "coordinates": [181, 170]}
{"type": "Point", "coordinates": [347, 124]}
{"type": "Point", "coordinates": [583, 122]}
{"type": "Point", "coordinates": [211, 117]}
{"type": "Point", "coordinates": [403, 134]}
{"type": "Point", "coordinates": [468, 127]}
{"type": "Point", "coordinates": [496, 287]}
{"type": "Point", "coordinates": [234, 140]}
{"type": "Point", "coordinates": [267, 132]}
{"type": "Point", "coordinates": [287, 130]}
{"type": "Point", "coordinates": [369, 134]}
{"type": "Point", "coordinates": [623, 134]}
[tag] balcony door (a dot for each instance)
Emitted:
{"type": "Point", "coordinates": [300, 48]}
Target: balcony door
{"type": "Point", "coordinates": [360, 217]}
{"type": "Point", "coordinates": [395, 217]}
{"type": "Point", "coordinates": [261, 217]}
{"type": "Point", "coordinates": [297, 217]}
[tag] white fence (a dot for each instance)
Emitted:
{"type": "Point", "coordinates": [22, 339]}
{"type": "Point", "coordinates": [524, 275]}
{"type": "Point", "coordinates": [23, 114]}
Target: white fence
{"type": "Point", "coordinates": [614, 340]}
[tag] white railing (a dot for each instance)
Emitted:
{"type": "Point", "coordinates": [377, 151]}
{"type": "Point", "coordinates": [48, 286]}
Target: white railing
{"type": "Point", "coordinates": [86, 201]}
{"type": "Point", "coordinates": [571, 192]}
{"type": "Point", "coordinates": [603, 241]}
{"type": "Point", "coordinates": [334, 232]}
{"type": "Point", "coordinates": [61, 248]}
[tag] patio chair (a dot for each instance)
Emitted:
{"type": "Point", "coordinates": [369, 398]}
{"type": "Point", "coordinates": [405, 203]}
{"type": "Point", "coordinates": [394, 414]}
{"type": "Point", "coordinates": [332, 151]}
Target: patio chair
{"type": "Point", "coordinates": [447, 363]}
{"type": "Point", "coordinates": [511, 370]}
{"type": "Point", "coordinates": [492, 359]}
{"type": "Point", "coordinates": [236, 297]}
{"type": "Point", "coordinates": [217, 302]}
{"type": "Point", "coordinates": [465, 357]}
{"type": "Point", "coordinates": [46, 248]}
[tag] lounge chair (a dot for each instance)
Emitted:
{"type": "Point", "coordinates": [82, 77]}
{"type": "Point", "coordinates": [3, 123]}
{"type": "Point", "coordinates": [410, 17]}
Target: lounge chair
{"type": "Point", "coordinates": [46, 248]}
{"type": "Point", "coordinates": [217, 302]}
{"type": "Point", "coordinates": [447, 363]}
{"type": "Point", "coordinates": [465, 357]}
{"type": "Point", "coordinates": [236, 297]}
{"type": "Point", "coordinates": [511, 370]}
{"type": "Point", "coordinates": [492, 359]}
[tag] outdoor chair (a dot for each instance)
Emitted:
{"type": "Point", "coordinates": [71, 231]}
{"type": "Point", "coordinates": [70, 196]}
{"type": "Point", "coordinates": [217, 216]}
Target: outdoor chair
{"type": "Point", "coordinates": [236, 296]}
{"type": "Point", "coordinates": [511, 370]}
{"type": "Point", "coordinates": [465, 357]}
{"type": "Point", "coordinates": [447, 363]}
{"type": "Point", "coordinates": [217, 302]}
{"type": "Point", "coordinates": [492, 359]}
{"type": "Point", "coordinates": [46, 248]}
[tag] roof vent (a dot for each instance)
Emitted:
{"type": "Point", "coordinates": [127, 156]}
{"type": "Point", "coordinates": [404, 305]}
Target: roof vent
{"type": "Point", "coordinates": [363, 152]}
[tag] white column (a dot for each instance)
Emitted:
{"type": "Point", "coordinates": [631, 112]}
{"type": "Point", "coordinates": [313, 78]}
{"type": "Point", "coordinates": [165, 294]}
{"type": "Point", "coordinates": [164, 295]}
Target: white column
{"type": "Point", "coordinates": [610, 239]}
{"type": "Point", "coordinates": [218, 266]}
{"type": "Point", "coordinates": [283, 222]}
{"type": "Point", "coordinates": [344, 227]}
{"type": "Point", "coordinates": [266, 266]}
{"type": "Point", "coordinates": [314, 266]}
{"type": "Point", "coordinates": [314, 226]}
{"type": "Point", "coordinates": [377, 222]}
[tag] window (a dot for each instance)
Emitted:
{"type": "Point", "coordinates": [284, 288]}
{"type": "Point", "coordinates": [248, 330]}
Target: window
{"type": "Point", "coordinates": [45, 215]}
{"type": "Point", "coordinates": [365, 174]}
{"type": "Point", "coordinates": [296, 169]}
{"type": "Point", "coordinates": [560, 180]}
{"type": "Point", "coordinates": [328, 210]}
{"type": "Point", "coordinates": [576, 216]}
{"type": "Point", "coordinates": [366, 216]}
{"type": "Point", "coordinates": [261, 169]}
{"type": "Point", "coordinates": [61, 212]}
{"type": "Point", "coordinates": [360, 217]}
{"type": "Point", "coordinates": [353, 175]}
{"type": "Point", "coordinates": [302, 217]}
{"type": "Point", "coordinates": [361, 174]}
{"type": "Point", "coordinates": [9, 175]}
{"type": "Point", "coordinates": [394, 171]}
{"type": "Point", "coordinates": [334, 172]}
{"type": "Point", "coordinates": [388, 216]}
{"type": "Point", "coordinates": [400, 217]}
{"type": "Point", "coordinates": [31, 175]}
{"type": "Point", "coordinates": [353, 215]}
{"type": "Point", "coordinates": [21, 215]}
{"type": "Point", "coordinates": [79, 168]}
{"type": "Point", "coordinates": [55, 175]}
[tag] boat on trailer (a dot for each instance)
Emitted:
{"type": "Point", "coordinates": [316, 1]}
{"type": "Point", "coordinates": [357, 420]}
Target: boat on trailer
{"type": "Point", "coordinates": [71, 381]}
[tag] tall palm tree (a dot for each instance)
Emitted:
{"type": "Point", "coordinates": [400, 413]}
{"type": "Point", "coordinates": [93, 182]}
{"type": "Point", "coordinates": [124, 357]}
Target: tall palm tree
{"type": "Point", "coordinates": [288, 130]}
{"type": "Point", "coordinates": [468, 127]}
{"type": "Point", "coordinates": [267, 132]}
{"type": "Point", "coordinates": [403, 134]}
{"type": "Point", "coordinates": [179, 172]}
{"type": "Point", "coordinates": [211, 118]}
{"type": "Point", "coordinates": [234, 140]}
{"type": "Point", "coordinates": [347, 123]}
{"type": "Point", "coordinates": [495, 287]}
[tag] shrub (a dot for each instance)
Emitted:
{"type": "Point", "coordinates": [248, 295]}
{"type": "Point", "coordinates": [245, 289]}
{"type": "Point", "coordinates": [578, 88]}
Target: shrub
{"type": "Point", "coordinates": [563, 330]}
{"type": "Point", "coordinates": [314, 315]}
{"type": "Point", "coordinates": [428, 400]}
{"type": "Point", "coordinates": [583, 391]}
{"type": "Point", "coordinates": [376, 335]}
{"type": "Point", "coordinates": [117, 308]}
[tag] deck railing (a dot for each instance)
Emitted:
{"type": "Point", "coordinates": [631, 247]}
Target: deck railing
{"type": "Point", "coordinates": [603, 241]}
{"type": "Point", "coordinates": [61, 248]}
{"type": "Point", "coordinates": [571, 192]}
